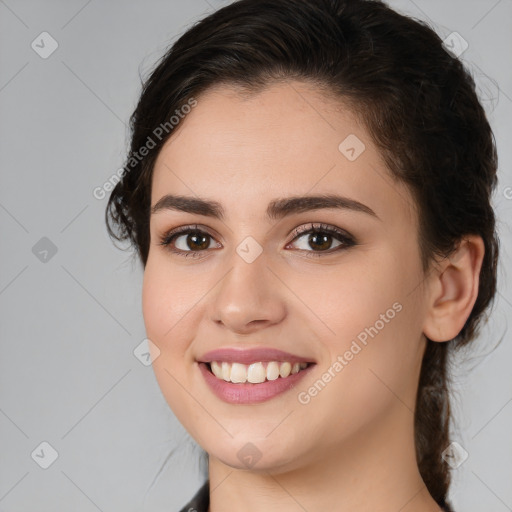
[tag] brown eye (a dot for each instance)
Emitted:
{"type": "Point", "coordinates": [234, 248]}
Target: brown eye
{"type": "Point", "coordinates": [320, 239]}
{"type": "Point", "coordinates": [191, 241]}
{"type": "Point", "coordinates": [187, 241]}
{"type": "Point", "coordinates": [194, 240]}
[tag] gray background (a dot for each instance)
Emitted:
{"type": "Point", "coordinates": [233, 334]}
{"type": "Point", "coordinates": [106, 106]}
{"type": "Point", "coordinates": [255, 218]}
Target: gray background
{"type": "Point", "coordinates": [71, 321]}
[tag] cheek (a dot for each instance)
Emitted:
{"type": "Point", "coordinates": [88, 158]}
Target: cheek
{"type": "Point", "coordinates": [349, 298]}
{"type": "Point", "coordinates": [371, 371]}
{"type": "Point", "coordinates": [155, 306]}
{"type": "Point", "coordinates": [168, 308]}
{"type": "Point", "coordinates": [375, 333]}
{"type": "Point", "coordinates": [167, 303]}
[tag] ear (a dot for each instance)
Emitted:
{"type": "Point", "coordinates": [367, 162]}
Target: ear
{"type": "Point", "coordinates": [453, 289]}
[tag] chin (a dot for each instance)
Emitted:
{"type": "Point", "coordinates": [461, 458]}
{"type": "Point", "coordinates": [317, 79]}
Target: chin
{"type": "Point", "coordinates": [256, 454]}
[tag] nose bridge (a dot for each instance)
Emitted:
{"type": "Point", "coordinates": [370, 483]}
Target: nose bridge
{"type": "Point", "coordinates": [248, 295]}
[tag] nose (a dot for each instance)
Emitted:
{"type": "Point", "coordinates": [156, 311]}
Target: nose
{"type": "Point", "coordinates": [249, 297]}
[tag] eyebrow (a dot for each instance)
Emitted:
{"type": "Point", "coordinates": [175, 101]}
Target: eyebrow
{"type": "Point", "coordinates": [277, 208]}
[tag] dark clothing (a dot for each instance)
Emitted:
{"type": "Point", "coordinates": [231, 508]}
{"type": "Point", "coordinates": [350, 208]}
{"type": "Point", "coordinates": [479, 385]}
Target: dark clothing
{"type": "Point", "coordinates": [201, 501]}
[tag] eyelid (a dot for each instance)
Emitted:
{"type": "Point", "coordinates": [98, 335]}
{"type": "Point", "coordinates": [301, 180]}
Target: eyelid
{"type": "Point", "coordinates": [185, 229]}
{"type": "Point", "coordinates": [323, 228]}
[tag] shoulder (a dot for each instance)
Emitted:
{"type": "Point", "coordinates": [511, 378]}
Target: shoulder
{"type": "Point", "coordinates": [200, 501]}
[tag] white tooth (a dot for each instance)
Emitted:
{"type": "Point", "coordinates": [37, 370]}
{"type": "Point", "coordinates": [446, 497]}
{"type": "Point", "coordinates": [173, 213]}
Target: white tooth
{"type": "Point", "coordinates": [272, 370]}
{"type": "Point", "coordinates": [285, 369]}
{"type": "Point", "coordinates": [226, 371]}
{"type": "Point", "coordinates": [256, 373]}
{"type": "Point", "coordinates": [216, 369]}
{"type": "Point", "coordinates": [238, 372]}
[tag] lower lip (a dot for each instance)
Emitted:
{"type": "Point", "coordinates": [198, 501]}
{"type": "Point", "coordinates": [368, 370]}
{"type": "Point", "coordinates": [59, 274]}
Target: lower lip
{"type": "Point", "coordinates": [247, 392]}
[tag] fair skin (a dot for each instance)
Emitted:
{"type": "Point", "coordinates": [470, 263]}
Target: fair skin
{"type": "Point", "coordinates": [351, 447]}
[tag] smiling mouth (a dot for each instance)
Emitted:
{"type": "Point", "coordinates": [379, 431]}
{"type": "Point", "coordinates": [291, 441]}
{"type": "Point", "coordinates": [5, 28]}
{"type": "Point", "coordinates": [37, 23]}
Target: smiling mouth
{"type": "Point", "coordinates": [255, 373]}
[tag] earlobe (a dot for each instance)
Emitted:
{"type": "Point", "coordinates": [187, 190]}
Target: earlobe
{"type": "Point", "coordinates": [454, 290]}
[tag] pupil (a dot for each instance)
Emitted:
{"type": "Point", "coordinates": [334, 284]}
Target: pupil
{"type": "Point", "coordinates": [196, 236]}
{"type": "Point", "coordinates": [325, 240]}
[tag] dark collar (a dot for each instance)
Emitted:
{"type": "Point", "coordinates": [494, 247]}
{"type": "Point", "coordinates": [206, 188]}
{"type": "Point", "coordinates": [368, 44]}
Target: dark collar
{"type": "Point", "coordinates": [201, 500]}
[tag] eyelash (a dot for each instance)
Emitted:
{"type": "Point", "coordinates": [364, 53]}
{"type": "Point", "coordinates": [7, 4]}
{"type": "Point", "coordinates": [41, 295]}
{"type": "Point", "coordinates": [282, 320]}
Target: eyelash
{"type": "Point", "coordinates": [314, 228]}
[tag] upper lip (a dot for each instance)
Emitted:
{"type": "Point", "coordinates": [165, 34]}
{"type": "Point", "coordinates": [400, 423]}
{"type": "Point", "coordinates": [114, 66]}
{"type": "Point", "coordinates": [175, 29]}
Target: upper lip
{"type": "Point", "coordinates": [251, 355]}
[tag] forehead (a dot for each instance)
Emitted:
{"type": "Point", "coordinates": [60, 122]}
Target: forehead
{"type": "Point", "coordinates": [288, 139]}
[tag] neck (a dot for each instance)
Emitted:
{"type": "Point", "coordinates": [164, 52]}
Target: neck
{"type": "Point", "coordinates": [373, 469]}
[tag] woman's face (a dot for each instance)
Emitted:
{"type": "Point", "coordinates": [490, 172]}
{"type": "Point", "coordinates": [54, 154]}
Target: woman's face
{"type": "Point", "coordinates": [352, 304]}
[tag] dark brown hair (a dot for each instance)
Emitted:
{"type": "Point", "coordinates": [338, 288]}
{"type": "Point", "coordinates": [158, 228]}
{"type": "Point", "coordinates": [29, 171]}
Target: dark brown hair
{"type": "Point", "coordinates": [418, 103]}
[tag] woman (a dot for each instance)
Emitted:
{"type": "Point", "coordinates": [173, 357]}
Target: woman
{"type": "Point", "coordinates": [308, 190]}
